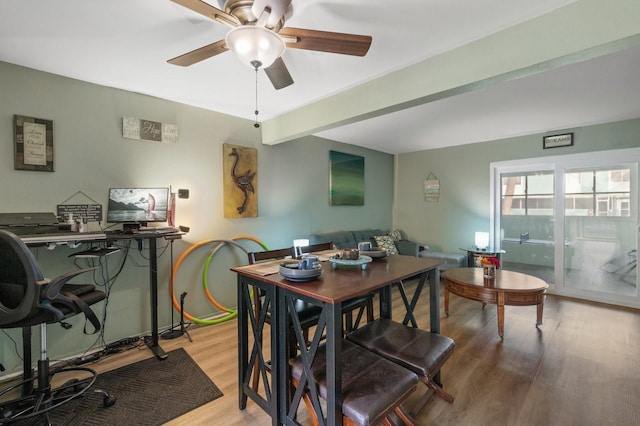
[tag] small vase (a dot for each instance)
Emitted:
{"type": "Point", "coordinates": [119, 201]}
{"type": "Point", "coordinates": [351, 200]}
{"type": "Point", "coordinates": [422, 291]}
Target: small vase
{"type": "Point", "coordinates": [489, 271]}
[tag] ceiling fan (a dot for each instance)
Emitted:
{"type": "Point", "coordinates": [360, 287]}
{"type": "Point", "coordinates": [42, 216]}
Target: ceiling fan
{"type": "Point", "coordinates": [258, 37]}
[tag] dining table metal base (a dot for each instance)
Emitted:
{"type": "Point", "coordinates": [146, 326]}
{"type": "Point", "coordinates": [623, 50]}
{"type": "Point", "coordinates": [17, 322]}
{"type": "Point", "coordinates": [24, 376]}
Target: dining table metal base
{"type": "Point", "coordinates": [335, 286]}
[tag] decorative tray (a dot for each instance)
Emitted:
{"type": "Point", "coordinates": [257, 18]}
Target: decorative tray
{"type": "Point", "coordinates": [362, 261]}
{"type": "Point", "coordinates": [290, 271]}
{"type": "Point", "coordinates": [374, 254]}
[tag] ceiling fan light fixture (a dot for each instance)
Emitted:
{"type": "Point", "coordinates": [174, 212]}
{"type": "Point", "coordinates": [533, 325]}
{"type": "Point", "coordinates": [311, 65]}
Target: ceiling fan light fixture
{"type": "Point", "coordinates": [256, 47]}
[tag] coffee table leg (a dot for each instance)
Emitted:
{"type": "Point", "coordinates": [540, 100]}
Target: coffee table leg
{"type": "Point", "coordinates": [446, 301]}
{"type": "Point", "coordinates": [539, 319]}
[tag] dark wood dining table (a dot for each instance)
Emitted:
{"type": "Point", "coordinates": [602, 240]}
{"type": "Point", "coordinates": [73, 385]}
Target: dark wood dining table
{"type": "Point", "coordinates": [329, 291]}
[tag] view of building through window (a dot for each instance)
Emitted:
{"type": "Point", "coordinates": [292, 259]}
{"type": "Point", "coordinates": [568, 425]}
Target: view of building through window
{"type": "Point", "coordinates": [573, 222]}
{"type": "Point", "coordinates": [587, 193]}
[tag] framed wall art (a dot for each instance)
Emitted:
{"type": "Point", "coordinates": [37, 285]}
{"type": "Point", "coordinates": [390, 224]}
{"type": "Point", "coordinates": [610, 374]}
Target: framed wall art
{"type": "Point", "coordinates": [240, 180]}
{"type": "Point", "coordinates": [346, 179]}
{"type": "Point", "coordinates": [32, 144]}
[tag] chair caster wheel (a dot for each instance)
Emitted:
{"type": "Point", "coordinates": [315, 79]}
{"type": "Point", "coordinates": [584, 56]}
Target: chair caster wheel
{"type": "Point", "coordinates": [107, 399]}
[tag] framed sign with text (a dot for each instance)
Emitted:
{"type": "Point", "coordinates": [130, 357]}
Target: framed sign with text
{"type": "Point", "coordinates": [555, 141]}
{"type": "Point", "coordinates": [32, 144]}
{"type": "Point", "coordinates": [136, 128]}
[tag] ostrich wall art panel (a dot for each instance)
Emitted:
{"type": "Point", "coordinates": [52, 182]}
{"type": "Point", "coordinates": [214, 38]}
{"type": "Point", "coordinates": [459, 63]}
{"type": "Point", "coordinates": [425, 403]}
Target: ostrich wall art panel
{"type": "Point", "coordinates": [240, 168]}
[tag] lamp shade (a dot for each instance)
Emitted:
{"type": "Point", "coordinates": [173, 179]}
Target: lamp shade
{"type": "Point", "coordinates": [482, 240]}
{"type": "Point", "coordinates": [256, 47]}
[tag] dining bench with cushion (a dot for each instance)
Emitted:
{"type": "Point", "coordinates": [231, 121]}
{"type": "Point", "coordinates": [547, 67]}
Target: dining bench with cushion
{"type": "Point", "coordinates": [372, 387]}
{"type": "Point", "coordinates": [418, 350]}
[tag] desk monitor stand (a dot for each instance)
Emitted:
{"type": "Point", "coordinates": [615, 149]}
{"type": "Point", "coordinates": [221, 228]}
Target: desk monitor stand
{"type": "Point", "coordinates": [131, 227]}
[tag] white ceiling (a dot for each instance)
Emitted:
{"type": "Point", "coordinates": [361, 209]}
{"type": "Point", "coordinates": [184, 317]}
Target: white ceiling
{"type": "Point", "coordinates": [125, 44]}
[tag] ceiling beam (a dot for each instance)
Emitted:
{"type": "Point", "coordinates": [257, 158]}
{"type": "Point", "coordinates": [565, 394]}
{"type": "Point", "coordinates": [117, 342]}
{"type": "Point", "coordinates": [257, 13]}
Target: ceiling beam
{"type": "Point", "coordinates": [579, 31]}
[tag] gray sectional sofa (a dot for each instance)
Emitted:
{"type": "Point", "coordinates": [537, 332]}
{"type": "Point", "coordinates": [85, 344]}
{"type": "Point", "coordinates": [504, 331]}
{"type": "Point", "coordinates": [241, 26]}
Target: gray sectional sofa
{"type": "Point", "coordinates": [405, 246]}
{"type": "Point", "coordinates": [350, 239]}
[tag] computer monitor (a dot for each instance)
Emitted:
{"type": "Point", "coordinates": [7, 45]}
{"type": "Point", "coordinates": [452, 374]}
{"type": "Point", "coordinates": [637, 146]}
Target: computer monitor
{"type": "Point", "coordinates": [137, 205]}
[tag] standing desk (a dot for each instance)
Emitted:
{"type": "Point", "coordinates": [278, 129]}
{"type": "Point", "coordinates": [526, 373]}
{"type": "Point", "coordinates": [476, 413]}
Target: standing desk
{"type": "Point", "coordinates": [152, 237]}
{"type": "Point", "coordinates": [334, 287]}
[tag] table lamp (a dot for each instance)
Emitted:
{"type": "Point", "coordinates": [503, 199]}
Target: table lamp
{"type": "Point", "coordinates": [482, 240]}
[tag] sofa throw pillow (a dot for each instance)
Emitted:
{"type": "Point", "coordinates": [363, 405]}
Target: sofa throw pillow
{"type": "Point", "coordinates": [386, 242]}
{"type": "Point", "coordinates": [395, 235]}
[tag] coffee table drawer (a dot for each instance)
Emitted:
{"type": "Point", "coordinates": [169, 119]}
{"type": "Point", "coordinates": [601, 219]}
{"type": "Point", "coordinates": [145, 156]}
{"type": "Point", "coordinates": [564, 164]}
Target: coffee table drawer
{"type": "Point", "coordinates": [524, 299]}
{"type": "Point", "coordinates": [472, 292]}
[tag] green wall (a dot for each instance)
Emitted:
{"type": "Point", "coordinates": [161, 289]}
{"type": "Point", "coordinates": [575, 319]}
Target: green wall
{"type": "Point", "coordinates": [91, 155]}
{"type": "Point", "coordinates": [463, 171]}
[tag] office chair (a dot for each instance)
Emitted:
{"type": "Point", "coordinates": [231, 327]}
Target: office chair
{"type": "Point", "coordinates": [27, 300]}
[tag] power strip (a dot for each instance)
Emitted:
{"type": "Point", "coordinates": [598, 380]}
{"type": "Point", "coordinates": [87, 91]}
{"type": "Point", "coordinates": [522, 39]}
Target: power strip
{"type": "Point", "coordinates": [123, 342]}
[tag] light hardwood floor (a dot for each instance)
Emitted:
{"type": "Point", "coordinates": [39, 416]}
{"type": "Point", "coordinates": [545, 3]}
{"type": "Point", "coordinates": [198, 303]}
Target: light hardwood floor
{"type": "Point", "coordinates": [581, 367]}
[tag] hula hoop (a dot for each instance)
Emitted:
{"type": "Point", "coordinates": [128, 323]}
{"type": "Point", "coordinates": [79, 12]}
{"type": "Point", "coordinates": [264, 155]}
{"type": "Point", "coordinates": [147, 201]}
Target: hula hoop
{"type": "Point", "coordinates": [232, 313]}
{"type": "Point", "coordinates": [205, 270]}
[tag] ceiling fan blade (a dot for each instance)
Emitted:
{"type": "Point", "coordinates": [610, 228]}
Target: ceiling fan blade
{"type": "Point", "coordinates": [325, 41]}
{"type": "Point", "coordinates": [279, 74]}
{"type": "Point", "coordinates": [200, 54]}
{"type": "Point", "coordinates": [209, 11]}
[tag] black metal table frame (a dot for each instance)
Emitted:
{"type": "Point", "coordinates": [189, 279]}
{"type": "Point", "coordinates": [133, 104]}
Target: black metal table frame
{"type": "Point", "coordinates": [152, 341]}
{"type": "Point", "coordinates": [246, 363]}
{"type": "Point", "coordinates": [280, 402]}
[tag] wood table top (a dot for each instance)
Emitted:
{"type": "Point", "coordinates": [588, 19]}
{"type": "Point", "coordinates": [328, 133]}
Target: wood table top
{"type": "Point", "coordinates": [504, 280]}
{"type": "Point", "coordinates": [346, 282]}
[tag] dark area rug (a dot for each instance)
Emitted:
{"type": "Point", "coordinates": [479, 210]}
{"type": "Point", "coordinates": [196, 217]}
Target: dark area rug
{"type": "Point", "coordinates": [149, 392]}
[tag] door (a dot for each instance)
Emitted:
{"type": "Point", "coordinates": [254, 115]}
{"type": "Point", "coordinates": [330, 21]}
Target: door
{"type": "Point", "coordinates": [573, 221]}
{"type": "Point", "coordinates": [600, 221]}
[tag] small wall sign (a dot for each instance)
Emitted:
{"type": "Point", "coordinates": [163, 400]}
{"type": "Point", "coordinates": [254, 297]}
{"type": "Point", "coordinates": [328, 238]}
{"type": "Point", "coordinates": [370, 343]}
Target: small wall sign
{"type": "Point", "coordinates": [432, 188]}
{"type": "Point", "coordinates": [555, 141]}
{"type": "Point", "coordinates": [134, 128]}
{"type": "Point", "coordinates": [90, 212]}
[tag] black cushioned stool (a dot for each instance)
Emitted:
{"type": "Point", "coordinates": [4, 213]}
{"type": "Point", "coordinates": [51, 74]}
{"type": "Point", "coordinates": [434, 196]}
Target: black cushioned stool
{"type": "Point", "coordinates": [372, 387]}
{"type": "Point", "coordinates": [420, 351]}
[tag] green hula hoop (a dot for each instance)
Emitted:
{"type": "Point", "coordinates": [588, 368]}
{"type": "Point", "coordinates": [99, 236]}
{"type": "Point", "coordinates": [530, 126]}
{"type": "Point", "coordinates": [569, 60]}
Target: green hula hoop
{"type": "Point", "coordinates": [231, 313]}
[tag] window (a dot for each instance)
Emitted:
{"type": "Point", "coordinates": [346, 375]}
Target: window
{"type": "Point", "coordinates": [598, 192]}
{"type": "Point", "coordinates": [527, 194]}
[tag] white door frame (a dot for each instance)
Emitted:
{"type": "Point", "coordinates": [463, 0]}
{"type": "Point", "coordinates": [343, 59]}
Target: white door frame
{"type": "Point", "coordinates": [559, 164]}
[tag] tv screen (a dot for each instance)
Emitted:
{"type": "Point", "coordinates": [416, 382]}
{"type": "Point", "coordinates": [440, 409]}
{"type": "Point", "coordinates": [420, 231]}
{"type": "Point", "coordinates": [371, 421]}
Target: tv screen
{"type": "Point", "coordinates": [137, 205]}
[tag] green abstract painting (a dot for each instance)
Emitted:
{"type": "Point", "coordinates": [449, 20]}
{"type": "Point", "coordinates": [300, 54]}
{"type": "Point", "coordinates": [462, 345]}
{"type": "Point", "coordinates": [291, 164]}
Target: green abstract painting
{"type": "Point", "coordinates": [346, 179]}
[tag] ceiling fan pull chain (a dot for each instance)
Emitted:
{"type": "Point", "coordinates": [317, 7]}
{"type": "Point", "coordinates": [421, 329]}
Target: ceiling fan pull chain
{"type": "Point", "coordinates": [256, 124]}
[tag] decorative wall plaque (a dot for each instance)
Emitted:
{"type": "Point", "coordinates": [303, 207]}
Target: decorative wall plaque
{"type": "Point", "coordinates": [32, 143]}
{"type": "Point", "coordinates": [555, 141]}
{"type": "Point", "coordinates": [431, 188]}
{"type": "Point", "coordinates": [134, 128]}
